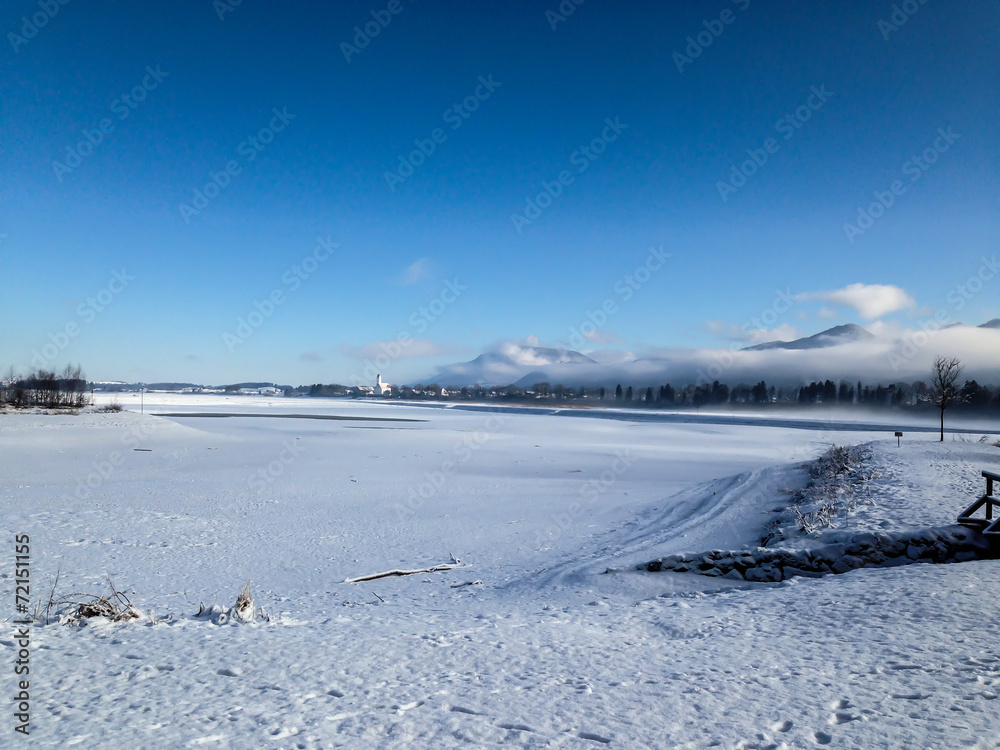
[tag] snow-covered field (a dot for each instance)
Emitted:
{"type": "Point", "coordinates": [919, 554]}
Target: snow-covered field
{"type": "Point", "coordinates": [542, 648]}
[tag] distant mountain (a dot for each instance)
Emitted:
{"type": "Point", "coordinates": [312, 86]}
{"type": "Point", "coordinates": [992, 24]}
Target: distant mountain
{"type": "Point", "coordinates": [995, 323]}
{"type": "Point", "coordinates": [508, 365]}
{"type": "Point", "coordinates": [845, 334]}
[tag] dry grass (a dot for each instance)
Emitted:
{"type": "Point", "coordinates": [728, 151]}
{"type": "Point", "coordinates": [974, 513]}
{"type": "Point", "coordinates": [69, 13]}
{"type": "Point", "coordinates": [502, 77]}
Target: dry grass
{"type": "Point", "coordinates": [244, 604]}
{"type": "Point", "coordinates": [115, 606]}
{"type": "Point", "coordinates": [245, 609]}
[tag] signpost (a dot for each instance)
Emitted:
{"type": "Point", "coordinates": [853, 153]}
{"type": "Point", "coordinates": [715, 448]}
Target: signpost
{"type": "Point", "coordinates": [898, 436]}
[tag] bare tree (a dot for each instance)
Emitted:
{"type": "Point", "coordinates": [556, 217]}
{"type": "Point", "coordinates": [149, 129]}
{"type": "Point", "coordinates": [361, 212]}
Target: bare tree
{"type": "Point", "coordinates": [943, 390]}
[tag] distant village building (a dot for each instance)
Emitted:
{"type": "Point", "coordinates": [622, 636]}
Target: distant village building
{"type": "Point", "coordinates": [382, 389]}
{"type": "Point", "coordinates": [268, 390]}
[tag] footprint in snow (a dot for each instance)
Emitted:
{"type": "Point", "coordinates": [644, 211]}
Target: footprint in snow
{"type": "Point", "coordinates": [823, 738]}
{"type": "Point", "coordinates": [841, 717]}
{"type": "Point", "coordinates": [781, 726]}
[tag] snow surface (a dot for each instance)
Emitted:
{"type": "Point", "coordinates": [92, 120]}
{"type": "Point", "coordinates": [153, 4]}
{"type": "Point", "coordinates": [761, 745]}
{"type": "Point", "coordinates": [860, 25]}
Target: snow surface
{"type": "Point", "coordinates": [542, 648]}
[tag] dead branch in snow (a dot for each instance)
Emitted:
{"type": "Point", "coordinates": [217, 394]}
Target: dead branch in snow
{"type": "Point", "coordinates": [456, 563]}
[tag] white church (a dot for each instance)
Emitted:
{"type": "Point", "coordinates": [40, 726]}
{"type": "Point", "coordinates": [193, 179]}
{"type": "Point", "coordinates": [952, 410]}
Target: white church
{"type": "Point", "coordinates": [382, 389]}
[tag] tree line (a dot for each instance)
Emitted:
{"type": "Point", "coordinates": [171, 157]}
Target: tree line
{"type": "Point", "coordinates": [971, 396]}
{"type": "Point", "coordinates": [44, 388]}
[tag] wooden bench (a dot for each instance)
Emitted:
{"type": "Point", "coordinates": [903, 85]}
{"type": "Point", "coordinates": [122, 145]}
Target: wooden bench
{"type": "Point", "coordinates": [989, 525]}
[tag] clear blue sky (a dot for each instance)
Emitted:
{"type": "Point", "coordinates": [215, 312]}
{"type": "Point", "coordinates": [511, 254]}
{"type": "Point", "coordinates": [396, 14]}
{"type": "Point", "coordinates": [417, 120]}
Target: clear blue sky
{"type": "Point", "coordinates": [550, 91]}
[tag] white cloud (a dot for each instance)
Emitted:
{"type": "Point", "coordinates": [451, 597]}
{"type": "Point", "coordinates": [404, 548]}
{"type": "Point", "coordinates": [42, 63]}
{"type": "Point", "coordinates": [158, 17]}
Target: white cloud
{"type": "Point", "coordinates": [416, 271]}
{"type": "Point", "coordinates": [906, 357]}
{"type": "Point", "coordinates": [610, 356]}
{"type": "Point", "coordinates": [869, 300]}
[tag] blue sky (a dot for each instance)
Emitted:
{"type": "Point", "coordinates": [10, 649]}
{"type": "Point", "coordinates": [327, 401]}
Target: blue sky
{"type": "Point", "coordinates": [533, 89]}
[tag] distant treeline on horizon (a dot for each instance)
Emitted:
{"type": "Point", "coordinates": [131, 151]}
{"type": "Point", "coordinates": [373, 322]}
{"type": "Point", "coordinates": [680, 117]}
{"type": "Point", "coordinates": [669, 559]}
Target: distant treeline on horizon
{"type": "Point", "coordinates": [973, 395]}
{"type": "Point", "coordinates": [44, 388]}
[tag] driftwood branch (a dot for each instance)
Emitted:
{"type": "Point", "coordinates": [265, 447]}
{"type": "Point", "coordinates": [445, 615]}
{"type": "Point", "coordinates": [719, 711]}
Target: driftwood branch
{"type": "Point", "coordinates": [389, 573]}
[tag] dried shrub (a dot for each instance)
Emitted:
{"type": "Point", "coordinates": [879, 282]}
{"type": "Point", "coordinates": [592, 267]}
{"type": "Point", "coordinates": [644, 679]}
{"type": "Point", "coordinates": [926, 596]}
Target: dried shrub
{"type": "Point", "coordinates": [115, 606]}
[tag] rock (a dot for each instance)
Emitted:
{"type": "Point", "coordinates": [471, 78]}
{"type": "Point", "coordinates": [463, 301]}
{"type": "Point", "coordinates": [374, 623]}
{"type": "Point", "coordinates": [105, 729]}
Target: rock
{"type": "Point", "coordinates": [829, 554]}
{"type": "Point", "coordinates": [875, 557]}
{"type": "Point", "coordinates": [714, 572]}
{"type": "Point", "coordinates": [913, 552]}
{"type": "Point", "coordinates": [846, 563]}
{"type": "Point", "coordinates": [893, 547]}
{"type": "Point", "coordinates": [761, 575]}
{"type": "Point", "coordinates": [734, 575]}
{"type": "Point", "coordinates": [654, 567]}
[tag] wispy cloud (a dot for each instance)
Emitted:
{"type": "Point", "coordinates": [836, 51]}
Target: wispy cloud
{"type": "Point", "coordinates": [871, 301]}
{"type": "Point", "coordinates": [416, 271]}
{"type": "Point", "coordinates": [310, 357]}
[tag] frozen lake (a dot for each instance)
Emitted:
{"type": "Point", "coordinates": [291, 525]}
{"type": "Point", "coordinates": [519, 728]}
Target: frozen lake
{"type": "Point", "coordinates": [541, 648]}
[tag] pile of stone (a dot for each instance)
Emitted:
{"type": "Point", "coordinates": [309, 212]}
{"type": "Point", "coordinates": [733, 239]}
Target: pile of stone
{"type": "Point", "coordinates": [837, 552]}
